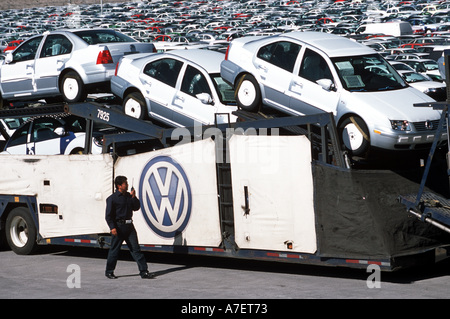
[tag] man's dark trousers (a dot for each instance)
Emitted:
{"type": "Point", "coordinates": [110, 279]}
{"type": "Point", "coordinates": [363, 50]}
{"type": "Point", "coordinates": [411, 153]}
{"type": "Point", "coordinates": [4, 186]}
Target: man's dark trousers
{"type": "Point", "coordinates": [127, 233]}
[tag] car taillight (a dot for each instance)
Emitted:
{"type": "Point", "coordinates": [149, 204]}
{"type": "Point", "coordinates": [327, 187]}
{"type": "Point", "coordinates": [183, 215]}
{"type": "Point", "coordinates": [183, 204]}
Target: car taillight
{"type": "Point", "coordinates": [104, 57]}
{"type": "Point", "coordinates": [117, 68]}
{"type": "Point", "coordinates": [226, 52]}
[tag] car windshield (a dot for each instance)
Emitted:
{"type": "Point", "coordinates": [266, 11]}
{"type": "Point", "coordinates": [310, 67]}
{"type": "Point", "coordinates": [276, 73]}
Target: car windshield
{"type": "Point", "coordinates": [367, 73]}
{"type": "Point", "coordinates": [431, 65]}
{"type": "Point", "coordinates": [411, 77]}
{"type": "Point", "coordinates": [103, 36]}
{"type": "Point", "coordinates": [224, 90]}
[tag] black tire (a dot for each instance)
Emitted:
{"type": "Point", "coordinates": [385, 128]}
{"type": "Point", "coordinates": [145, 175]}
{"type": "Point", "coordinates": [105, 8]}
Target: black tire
{"type": "Point", "coordinates": [72, 88]}
{"type": "Point", "coordinates": [248, 93]}
{"type": "Point", "coordinates": [134, 105]}
{"type": "Point", "coordinates": [21, 233]}
{"type": "Point", "coordinates": [355, 135]}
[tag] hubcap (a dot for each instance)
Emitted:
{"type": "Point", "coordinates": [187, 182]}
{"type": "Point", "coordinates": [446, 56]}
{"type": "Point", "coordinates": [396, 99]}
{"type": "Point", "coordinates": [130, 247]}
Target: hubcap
{"type": "Point", "coordinates": [19, 231]}
{"type": "Point", "coordinates": [353, 139]}
{"type": "Point", "coordinates": [247, 93]}
{"type": "Point", "coordinates": [71, 88]}
{"type": "Point", "coordinates": [133, 108]}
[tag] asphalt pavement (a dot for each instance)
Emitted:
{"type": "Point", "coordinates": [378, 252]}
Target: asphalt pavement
{"type": "Point", "coordinates": [78, 273]}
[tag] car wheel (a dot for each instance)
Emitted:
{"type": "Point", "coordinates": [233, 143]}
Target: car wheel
{"type": "Point", "coordinates": [355, 135]}
{"type": "Point", "coordinates": [248, 94]}
{"type": "Point", "coordinates": [134, 106]}
{"type": "Point", "coordinates": [21, 231]}
{"type": "Point", "coordinates": [72, 88]}
{"type": "Point", "coordinates": [77, 151]}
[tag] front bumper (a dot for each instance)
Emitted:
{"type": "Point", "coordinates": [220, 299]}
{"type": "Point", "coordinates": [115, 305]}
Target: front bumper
{"type": "Point", "coordinates": [405, 141]}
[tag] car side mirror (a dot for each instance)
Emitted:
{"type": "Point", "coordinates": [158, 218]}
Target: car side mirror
{"type": "Point", "coordinates": [60, 131]}
{"type": "Point", "coordinates": [326, 84]}
{"type": "Point", "coordinates": [205, 98]}
{"type": "Point", "coordinates": [8, 57]}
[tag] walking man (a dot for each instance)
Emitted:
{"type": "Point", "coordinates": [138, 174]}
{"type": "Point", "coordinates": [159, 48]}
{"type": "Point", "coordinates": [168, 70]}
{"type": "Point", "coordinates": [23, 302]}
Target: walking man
{"type": "Point", "coordinates": [119, 212]}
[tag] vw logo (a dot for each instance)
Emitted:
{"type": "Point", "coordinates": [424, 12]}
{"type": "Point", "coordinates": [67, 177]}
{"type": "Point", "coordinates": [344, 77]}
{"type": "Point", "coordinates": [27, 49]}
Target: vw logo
{"type": "Point", "coordinates": [429, 125]}
{"type": "Point", "coordinates": [165, 195]}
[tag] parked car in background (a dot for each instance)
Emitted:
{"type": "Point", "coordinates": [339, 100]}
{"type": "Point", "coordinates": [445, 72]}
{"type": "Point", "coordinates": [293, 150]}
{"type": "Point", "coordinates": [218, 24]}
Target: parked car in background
{"type": "Point", "coordinates": [434, 89]}
{"type": "Point", "coordinates": [301, 73]}
{"type": "Point", "coordinates": [428, 67]}
{"type": "Point", "coordinates": [179, 87]}
{"type": "Point", "coordinates": [12, 45]}
{"type": "Point", "coordinates": [67, 64]}
{"type": "Point", "coordinates": [51, 136]}
{"type": "Point", "coordinates": [400, 66]}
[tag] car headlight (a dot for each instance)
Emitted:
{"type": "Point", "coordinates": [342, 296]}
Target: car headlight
{"type": "Point", "coordinates": [430, 90]}
{"type": "Point", "coordinates": [98, 141]}
{"type": "Point", "coordinates": [400, 125]}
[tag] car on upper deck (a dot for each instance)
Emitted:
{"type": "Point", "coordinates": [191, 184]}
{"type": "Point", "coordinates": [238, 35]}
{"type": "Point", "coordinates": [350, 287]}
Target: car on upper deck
{"type": "Point", "coordinates": [49, 135]}
{"type": "Point", "coordinates": [65, 64]}
{"type": "Point", "coordinates": [179, 87]}
{"type": "Point", "coordinates": [301, 73]}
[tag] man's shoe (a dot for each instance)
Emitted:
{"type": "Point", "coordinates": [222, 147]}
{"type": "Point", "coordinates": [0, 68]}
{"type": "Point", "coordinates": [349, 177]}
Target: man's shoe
{"type": "Point", "coordinates": [111, 276]}
{"type": "Point", "coordinates": [147, 275]}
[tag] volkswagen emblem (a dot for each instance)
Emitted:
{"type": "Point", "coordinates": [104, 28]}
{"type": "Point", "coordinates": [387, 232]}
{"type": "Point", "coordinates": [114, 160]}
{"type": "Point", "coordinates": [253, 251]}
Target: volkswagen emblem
{"type": "Point", "coordinates": [429, 125]}
{"type": "Point", "coordinates": [166, 198]}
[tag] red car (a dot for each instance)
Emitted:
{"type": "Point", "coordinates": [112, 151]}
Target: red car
{"type": "Point", "coordinates": [12, 45]}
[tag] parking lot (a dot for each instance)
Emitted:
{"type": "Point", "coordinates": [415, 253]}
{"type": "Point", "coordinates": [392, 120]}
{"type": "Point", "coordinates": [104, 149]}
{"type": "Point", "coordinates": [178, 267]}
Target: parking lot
{"type": "Point", "coordinates": [58, 272]}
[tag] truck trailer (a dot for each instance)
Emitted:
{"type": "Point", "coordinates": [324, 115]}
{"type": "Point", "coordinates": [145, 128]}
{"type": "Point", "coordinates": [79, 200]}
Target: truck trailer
{"type": "Point", "coordinates": [277, 189]}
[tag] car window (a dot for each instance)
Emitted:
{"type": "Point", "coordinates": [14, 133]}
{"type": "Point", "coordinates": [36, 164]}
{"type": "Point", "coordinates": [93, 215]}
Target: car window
{"type": "Point", "coordinates": [224, 90]}
{"type": "Point", "coordinates": [194, 82]}
{"type": "Point", "coordinates": [314, 67]}
{"type": "Point", "coordinates": [282, 54]}
{"type": "Point", "coordinates": [56, 44]}
{"type": "Point", "coordinates": [43, 129]}
{"type": "Point", "coordinates": [102, 36]}
{"type": "Point", "coordinates": [367, 73]}
{"type": "Point", "coordinates": [27, 51]}
{"type": "Point", "coordinates": [164, 70]}
{"type": "Point", "coordinates": [20, 136]}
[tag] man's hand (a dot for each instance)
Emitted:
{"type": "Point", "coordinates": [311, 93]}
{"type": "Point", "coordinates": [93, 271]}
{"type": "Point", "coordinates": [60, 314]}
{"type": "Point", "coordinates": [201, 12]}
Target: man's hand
{"type": "Point", "coordinates": [114, 232]}
{"type": "Point", "coordinates": [133, 192]}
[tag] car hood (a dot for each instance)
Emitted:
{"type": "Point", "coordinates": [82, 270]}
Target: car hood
{"type": "Point", "coordinates": [423, 85]}
{"type": "Point", "coordinates": [394, 105]}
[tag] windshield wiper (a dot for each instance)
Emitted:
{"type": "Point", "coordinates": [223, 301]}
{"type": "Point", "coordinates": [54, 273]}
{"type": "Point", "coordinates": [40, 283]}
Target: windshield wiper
{"type": "Point", "coordinates": [358, 90]}
{"type": "Point", "coordinates": [386, 88]}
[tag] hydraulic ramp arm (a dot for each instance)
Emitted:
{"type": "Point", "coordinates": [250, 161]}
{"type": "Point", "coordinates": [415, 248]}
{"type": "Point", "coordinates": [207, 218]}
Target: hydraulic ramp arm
{"type": "Point", "coordinates": [428, 207]}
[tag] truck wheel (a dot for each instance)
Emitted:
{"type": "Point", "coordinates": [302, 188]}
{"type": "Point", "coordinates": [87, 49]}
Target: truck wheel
{"type": "Point", "coordinates": [72, 88]}
{"type": "Point", "coordinates": [248, 94]}
{"type": "Point", "coordinates": [21, 231]}
{"type": "Point", "coordinates": [134, 106]}
{"type": "Point", "coordinates": [355, 135]}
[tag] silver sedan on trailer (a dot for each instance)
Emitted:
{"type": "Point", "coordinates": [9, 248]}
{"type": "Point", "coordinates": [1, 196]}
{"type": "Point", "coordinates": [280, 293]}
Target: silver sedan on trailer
{"type": "Point", "coordinates": [179, 88]}
{"type": "Point", "coordinates": [302, 73]}
{"type": "Point", "coordinates": [66, 63]}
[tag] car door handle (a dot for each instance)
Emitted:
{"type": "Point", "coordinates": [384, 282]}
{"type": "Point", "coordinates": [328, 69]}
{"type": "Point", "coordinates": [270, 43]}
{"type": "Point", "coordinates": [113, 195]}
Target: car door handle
{"type": "Point", "coordinates": [262, 67]}
{"type": "Point", "coordinates": [29, 69]}
{"type": "Point", "coordinates": [299, 84]}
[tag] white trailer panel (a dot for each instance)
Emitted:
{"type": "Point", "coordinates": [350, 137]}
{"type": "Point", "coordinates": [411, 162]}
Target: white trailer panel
{"type": "Point", "coordinates": [277, 173]}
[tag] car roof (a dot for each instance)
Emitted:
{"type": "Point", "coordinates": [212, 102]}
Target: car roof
{"type": "Point", "coordinates": [332, 45]}
{"type": "Point", "coordinates": [208, 59]}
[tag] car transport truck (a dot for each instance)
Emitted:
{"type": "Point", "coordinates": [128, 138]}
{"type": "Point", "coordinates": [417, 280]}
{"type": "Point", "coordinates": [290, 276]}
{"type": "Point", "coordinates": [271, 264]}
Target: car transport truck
{"type": "Point", "coordinates": [276, 189]}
